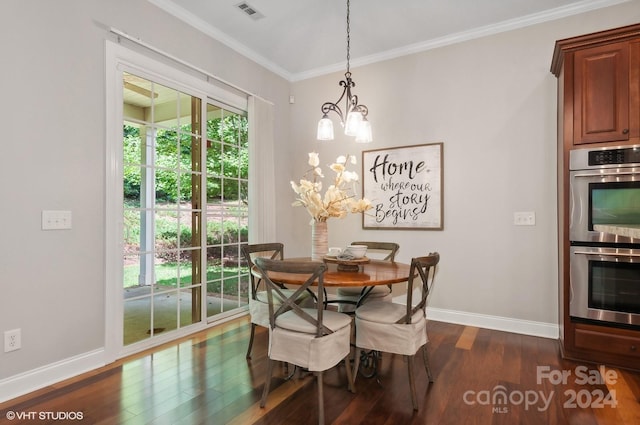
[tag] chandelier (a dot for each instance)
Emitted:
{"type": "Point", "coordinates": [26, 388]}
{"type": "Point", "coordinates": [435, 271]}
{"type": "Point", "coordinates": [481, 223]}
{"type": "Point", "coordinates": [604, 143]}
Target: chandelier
{"type": "Point", "coordinates": [355, 123]}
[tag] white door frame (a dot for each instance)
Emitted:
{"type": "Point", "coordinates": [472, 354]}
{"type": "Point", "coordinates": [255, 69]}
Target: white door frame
{"type": "Point", "coordinates": [118, 60]}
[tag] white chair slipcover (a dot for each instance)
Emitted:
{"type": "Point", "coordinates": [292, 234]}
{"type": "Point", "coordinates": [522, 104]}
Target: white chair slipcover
{"type": "Point", "coordinates": [294, 340]}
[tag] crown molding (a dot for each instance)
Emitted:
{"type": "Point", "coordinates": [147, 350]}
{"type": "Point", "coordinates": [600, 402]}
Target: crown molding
{"type": "Point", "coordinates": [504, 26]}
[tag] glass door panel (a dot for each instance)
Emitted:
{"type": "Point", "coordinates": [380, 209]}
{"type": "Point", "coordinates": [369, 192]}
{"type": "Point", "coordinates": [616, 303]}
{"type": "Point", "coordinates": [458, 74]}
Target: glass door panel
{"type": "Point", "coordinates": [162, 211]}
{"type": "Point", "coordinates": [227, 210]}
{"type": "Point", "coordinates": [137, 319]}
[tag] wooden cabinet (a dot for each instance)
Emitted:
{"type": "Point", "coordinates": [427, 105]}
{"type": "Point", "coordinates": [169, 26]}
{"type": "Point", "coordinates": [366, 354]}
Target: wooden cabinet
{"type": "Point", "coordinates": [601, 94]}
{"type": "Point", "coordinates": [608, 340]}
{"type": "Point", "coordinates": [602, 86]}
{"type": "Point", "coordinates": [598, 105]}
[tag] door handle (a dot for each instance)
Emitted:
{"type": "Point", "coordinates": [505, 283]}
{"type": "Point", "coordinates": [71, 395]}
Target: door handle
{"type": "Point", "coordinates": [606, 254]}
{"type": "Point", "coordinates": [605, 174]}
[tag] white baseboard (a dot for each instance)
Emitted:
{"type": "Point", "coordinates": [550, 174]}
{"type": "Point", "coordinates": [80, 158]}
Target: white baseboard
{"type": "Point", "coordinates": [35, 379]}
{"type": "Point", "coordinates": [506, 324]}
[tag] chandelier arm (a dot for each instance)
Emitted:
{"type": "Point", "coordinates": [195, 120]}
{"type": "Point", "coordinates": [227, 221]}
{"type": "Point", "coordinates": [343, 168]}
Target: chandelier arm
{"type": "Point", "coordinates": [346, 85]}
{"type": "Point", "coordinates": [359, 108]}
{"type": "Point", "coordinates": [329, 106]}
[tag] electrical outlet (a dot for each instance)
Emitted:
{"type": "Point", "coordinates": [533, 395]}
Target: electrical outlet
{"type": "Point", "coordinates": [526, 218]}
{"type": "Point", "coordinates": [12, 340]}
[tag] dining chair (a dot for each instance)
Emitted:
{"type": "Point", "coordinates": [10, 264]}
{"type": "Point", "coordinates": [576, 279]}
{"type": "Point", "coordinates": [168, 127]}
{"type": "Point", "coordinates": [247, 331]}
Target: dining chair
{"type": "Point", "coordinates": [347, 298]}
{"type": "Point", "coordinates": [399, 328]}
{"type": "Point", "coordinates": [258, 305]}
{"type": "Point", "coordinates": [311, 338]}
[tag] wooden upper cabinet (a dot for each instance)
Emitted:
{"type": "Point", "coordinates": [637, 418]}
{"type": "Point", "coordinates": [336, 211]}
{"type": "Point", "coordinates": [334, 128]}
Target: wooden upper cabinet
{"type": "Point", "coordinates": [599, 77]}
{"type": "Point", "coordinates": [601, 94]}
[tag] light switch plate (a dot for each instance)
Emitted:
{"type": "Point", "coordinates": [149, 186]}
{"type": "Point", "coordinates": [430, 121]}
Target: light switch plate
{"type": "Point", "coordinates": [524, 218]}
{"type": "Point", "coordinates": [56, 220]}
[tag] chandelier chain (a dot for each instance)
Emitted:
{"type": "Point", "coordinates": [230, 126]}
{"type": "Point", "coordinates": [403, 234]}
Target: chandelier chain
{"type": "Point", "coordinates": [348, 38]}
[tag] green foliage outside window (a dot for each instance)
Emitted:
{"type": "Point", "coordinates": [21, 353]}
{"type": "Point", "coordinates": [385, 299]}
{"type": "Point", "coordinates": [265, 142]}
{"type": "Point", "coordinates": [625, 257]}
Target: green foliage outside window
{"type": "Point", "coordinates": [227, 165]}
{"type": "Point", "coordinates": [224, 159]}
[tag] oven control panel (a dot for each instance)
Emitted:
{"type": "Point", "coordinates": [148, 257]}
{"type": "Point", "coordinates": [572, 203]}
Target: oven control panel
{"type": "Point", "coordinates": [612, 157]}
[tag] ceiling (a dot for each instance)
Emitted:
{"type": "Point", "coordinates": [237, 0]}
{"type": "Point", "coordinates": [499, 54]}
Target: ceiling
{"type": "Point", "coordinates": [299, 39]}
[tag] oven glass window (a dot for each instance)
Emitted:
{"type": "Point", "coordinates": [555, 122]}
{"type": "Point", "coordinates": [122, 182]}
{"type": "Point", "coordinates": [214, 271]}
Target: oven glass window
{"type": "Point", "coordinates": [614, 203]}
{"type": "Point", "coordinates": [614, 286]}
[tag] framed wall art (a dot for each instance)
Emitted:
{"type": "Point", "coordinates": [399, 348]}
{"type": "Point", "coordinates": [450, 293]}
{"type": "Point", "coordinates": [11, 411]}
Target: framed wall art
{"type": "Point", "coordinates": [404, 185]}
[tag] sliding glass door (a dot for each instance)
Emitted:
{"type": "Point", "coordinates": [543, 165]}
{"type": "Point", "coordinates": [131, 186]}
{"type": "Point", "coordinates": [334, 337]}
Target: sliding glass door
{"type": "Point", "coordinates": [185, 209]}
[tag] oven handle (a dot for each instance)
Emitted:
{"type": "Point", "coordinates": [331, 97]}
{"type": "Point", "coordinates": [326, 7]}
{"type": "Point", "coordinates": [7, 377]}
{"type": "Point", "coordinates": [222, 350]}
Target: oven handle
{"type": "Point", "coordinates": [605, 174]}
{"type": "Point", "coordinates": [608, 254]}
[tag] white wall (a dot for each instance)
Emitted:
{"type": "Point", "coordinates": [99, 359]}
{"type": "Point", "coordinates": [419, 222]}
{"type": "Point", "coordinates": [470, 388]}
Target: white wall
{"type": "Point", "coordinates": [492, 102]}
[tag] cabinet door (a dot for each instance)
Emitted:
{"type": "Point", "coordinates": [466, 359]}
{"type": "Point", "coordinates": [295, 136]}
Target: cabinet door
{"type": "Point", "coordinates": [601, 90]}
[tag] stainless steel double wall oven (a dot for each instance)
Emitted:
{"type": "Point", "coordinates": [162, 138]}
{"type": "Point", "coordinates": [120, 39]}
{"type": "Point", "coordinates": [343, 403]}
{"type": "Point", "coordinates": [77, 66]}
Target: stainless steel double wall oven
{"type": "Point", "coordinates": [604, 231]}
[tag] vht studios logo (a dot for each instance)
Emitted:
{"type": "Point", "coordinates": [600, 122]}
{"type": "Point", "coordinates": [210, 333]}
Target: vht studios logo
{"type": "Point", "coordinates": [500, 399]}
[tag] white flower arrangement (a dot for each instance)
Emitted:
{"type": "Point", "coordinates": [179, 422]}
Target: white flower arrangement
{"type": "Point", "coordinates": [339, 199]}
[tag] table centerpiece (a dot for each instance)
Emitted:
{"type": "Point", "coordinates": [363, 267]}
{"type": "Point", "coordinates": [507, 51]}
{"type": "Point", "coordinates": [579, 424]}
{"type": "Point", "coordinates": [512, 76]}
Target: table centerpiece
{"type": "Point", "coordinates": [339, 199]}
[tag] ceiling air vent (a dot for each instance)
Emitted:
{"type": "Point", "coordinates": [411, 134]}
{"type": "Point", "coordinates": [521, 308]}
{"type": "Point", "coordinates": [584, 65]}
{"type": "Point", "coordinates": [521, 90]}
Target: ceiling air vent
{"type": "Point", "coordinates": [249, 10]}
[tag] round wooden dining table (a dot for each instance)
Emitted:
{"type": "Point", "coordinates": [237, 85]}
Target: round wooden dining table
{"type": "Point", "coordinates": [375, 272]}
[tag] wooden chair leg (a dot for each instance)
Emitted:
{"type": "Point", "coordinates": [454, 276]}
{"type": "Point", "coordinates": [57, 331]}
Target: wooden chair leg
{"type": "Point", "coordinates": [253, 332]}
{"type": "Point", "coordinates": [320, 399]}
{"type": "Point", "coordinates": [427, 366]}
{"type": "Point", "coordinates": [267, 383]}
{"type": "Point", "coordinates": [356, 365]}
{"type": "Point", "coordinates": [412, 383]}
{"type": "Point", "coordinates": [347, 366]}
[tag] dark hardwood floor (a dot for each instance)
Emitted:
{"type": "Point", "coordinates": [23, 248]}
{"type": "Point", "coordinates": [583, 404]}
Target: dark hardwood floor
{"type": "Point", "coordinates": [481, 377]}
